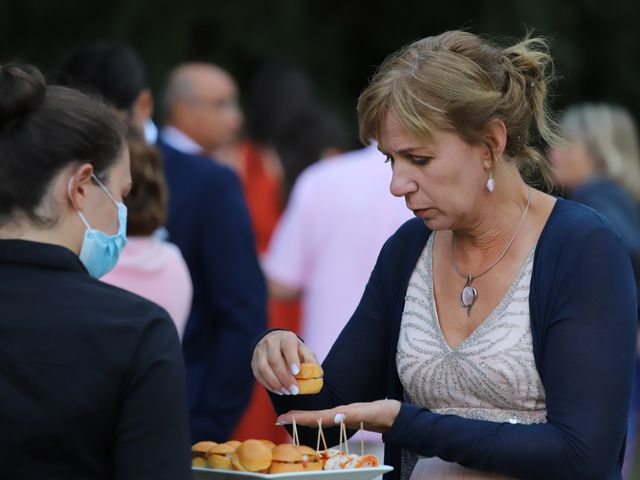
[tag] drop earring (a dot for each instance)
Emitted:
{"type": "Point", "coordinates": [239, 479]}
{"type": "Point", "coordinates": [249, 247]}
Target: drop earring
{"type": "Point", "coordinates": [491, 184]}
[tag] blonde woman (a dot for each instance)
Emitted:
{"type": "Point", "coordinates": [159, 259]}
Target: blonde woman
{"type": "Point", "coordinates": [496, 335]}
{"type": "Point", "coordinates": [599, 166]}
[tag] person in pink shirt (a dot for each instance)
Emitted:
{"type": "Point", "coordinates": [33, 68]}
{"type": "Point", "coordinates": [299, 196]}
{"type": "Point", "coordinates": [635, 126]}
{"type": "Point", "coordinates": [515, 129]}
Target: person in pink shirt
{"type": "Point", "coordinates": [148, 265]}
{"type": "Point", "coordinates": [339, 215]}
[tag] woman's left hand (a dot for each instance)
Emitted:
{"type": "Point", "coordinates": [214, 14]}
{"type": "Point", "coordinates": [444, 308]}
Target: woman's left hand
{"type": "Point", "coordinates": [376, 416]}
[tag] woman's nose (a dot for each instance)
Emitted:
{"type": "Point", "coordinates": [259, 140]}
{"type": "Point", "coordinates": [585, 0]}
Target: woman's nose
{"type": "Point", "coordinates": [401, 182]}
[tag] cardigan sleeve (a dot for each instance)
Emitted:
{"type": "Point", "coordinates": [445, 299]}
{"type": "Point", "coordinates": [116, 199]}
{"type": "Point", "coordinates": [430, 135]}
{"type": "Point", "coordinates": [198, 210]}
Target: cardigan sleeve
{"type": "Point", "coordinates": [586, 367]}
{"type": "Point", "coordinates": [355, 368]}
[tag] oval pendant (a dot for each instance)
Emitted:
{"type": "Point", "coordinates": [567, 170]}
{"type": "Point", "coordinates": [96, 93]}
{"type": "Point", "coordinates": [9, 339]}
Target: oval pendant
{"type": "Point", "coordinates": [468, 296]}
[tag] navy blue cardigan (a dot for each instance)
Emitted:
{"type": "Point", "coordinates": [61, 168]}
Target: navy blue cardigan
{"type": "Point", "coordinates": [209, 221]}
{"type": "Point", "coordinates": [582, 307]}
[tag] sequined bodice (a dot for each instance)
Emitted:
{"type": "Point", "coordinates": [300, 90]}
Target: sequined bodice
{"type": "Point", "coordinates": [491, 375]}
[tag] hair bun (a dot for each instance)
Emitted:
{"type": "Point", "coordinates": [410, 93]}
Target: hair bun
{"type": "Point", "coordinates": [22, 90]}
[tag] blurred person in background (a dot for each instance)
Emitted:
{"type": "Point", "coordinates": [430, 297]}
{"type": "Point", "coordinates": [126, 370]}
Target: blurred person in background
{"type": "Point", "coordinates": [325, 246]}
{"type": "Point", "coordinates": [286, 131]}
{"type": "Point", "coordinates": [149, 266]}
{"type": "Point", "coordinates": [93, 382]}
{"type": "Point", "coordinates": [599, 166]}
{"type": "Point", "coordinates": [115, 72]}
{"type": "Point", "coordinates": [209, 221]}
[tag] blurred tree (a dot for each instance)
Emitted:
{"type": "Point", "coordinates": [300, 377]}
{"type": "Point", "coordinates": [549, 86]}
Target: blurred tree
{"type": "Point", "coordinates": [596, 45]}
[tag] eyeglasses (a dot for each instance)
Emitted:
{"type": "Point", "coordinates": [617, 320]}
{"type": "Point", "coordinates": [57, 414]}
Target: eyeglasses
{"type": "Point", "coordinates": [219, 104]}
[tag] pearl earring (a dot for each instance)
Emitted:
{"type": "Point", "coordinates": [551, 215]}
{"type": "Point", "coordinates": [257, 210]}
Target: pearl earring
{"type": "Point", "coordinates": [491, 184]}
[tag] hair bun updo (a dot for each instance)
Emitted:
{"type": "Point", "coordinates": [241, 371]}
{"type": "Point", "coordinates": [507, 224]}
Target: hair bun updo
{"type": "Point", "coordinates": [22, 90]}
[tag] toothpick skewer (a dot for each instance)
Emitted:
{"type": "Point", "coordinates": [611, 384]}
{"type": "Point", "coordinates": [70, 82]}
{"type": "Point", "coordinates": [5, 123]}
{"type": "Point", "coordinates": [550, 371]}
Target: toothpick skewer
{"type": "Point", "coordinates": [296, 438]}
{"type": "Point", "coordinates": [324, 440]}
{"type": "Point", "coordinates": [361, 439]}
{"type": "Point", "coordinates": [344, 429]}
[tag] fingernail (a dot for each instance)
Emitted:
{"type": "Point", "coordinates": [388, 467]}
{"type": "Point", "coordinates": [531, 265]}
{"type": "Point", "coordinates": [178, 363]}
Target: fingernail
{"type": "Point", "coordinates": [295, 369]}
{"type": "Point", "coordinates": [294, 389]}
{"type": "Point", "coordinates": [284, 391]}
{"type": "Point", "coordinates": [278, 392]}
{"type": "Point", "coordinates": [282, 421]}
{"type": "Point", "coordinates": [339, 418]}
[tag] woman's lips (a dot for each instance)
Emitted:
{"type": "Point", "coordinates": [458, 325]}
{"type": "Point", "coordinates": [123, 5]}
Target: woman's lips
{"type": "Point", "coordinates": [420, 212]}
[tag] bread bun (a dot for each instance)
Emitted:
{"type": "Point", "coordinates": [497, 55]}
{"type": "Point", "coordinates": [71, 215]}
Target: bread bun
{"type": "Point", "coordinates": [220, 456]}
{"type": "Point", "coordinates": [309, 378]}
{"type": "Point", "coordinates": [286, 458]}
{"type": "Point", "coordinates": [310, 386]}
{"type": "Point", "coordinates": [198, 462]}
{"type": "Point", "coordinates": [268, 443]}
{"type": "Point", "coordinates": [252, 456]}
{"type": "Point", "coordinates": [225, 448]}
{"type": "Point", "coordinates": [200, 449]}
{"type": "Point", "coordinates": [286, 452]}
{"type": "Point", "coordinates": [310, 370]}
{"type": "Point", "coordinates": [234, 443]}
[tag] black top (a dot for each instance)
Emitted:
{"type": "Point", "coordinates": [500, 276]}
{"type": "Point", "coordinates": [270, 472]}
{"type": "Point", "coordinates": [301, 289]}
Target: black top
{"type": "Point", "coordinates": [92, 383]}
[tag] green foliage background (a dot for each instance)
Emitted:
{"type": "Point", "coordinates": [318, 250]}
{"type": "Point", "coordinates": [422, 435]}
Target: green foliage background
{"type": "Point", "coordinates": [596, 44]}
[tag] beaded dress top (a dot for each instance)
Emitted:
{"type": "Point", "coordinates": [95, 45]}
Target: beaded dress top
{"type": "Point", "coordinates": [491, 375]}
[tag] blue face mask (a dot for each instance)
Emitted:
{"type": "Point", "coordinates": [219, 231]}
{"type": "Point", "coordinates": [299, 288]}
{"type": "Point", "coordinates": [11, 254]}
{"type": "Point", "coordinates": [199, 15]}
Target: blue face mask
{"type": "Point", "coordinates": [100, 252]}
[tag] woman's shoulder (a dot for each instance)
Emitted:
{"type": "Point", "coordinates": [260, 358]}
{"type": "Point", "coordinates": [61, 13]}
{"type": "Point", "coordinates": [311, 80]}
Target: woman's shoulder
{"type": "Point", "coordinates": [113, 307]}
{"type": "Point", "coordinates": [573, 221]}
{"type": "Point", "coordinates": [570, 226]}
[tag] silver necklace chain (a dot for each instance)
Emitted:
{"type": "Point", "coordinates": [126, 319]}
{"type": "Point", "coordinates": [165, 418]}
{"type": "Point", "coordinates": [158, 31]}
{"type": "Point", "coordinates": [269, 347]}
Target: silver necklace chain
{"type": "Point", "coordinates": [470, 278]}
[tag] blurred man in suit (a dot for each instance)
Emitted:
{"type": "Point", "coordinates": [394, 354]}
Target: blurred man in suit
{"type": "Point", "coordinates": [209, 221]}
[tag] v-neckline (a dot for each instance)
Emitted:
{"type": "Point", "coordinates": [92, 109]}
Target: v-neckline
{"type": "Point", "coordinates": [489, 318]}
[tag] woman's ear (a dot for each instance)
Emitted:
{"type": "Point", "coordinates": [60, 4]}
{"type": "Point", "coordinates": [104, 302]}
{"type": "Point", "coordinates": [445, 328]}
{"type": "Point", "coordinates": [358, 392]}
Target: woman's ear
{"type": "Point", "coordinates": [495, 139]}
{"type": "Point", "coordinates": [78, 185]}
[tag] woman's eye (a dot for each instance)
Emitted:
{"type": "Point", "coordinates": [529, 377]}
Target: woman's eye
{"type": "Point", "coordinates": [388, 159]}
{"type": "Point", "coordinates": [421, 161]}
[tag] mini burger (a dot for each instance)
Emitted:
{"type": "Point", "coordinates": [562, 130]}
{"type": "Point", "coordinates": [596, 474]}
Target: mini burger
{"type": "Point", "coordinates": [291, 458]}
{"type": "Point", "coordinates": [310, 458]}
{"type": "Point", "coordinates": [286, 458]}
{"type": "Point", "coordinates": [268, 443]}
{"type": "Point", "coordinates": [199, 453]}
{"type": "Point", "coordinates": [234, 443]}
{"type": "Point", "coordinates": [309, 378]}
{"type": "Point", "coordinates": [220, 456]}
{"type": "Point", "coordinates": [252, 456]}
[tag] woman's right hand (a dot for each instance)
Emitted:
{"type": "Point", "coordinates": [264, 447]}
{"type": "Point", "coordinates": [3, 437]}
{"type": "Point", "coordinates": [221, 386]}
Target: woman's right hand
{"type": "Point", "coordinates": [276, 359]}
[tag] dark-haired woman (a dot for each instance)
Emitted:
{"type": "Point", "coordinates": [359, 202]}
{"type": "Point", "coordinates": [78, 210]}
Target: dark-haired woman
{"type": "Point", "coordinates": [92, 382]}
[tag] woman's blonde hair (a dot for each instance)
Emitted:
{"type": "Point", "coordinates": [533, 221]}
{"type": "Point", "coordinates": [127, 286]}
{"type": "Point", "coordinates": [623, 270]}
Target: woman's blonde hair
{"type": "Point", "coordinates": [459, 81]}
{"type": "Point", "coordinates": [609, 135]}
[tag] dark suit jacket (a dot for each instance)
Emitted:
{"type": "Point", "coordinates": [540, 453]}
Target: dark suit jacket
{"type": "Point", "coordinates": [209, 221]}
{"type": "Point", "coordinates": [92, 377]}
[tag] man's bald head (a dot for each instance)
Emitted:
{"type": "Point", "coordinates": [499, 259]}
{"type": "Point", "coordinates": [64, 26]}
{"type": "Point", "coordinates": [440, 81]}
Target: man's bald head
{"type": "Point", "coordinates": [201, 101]}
